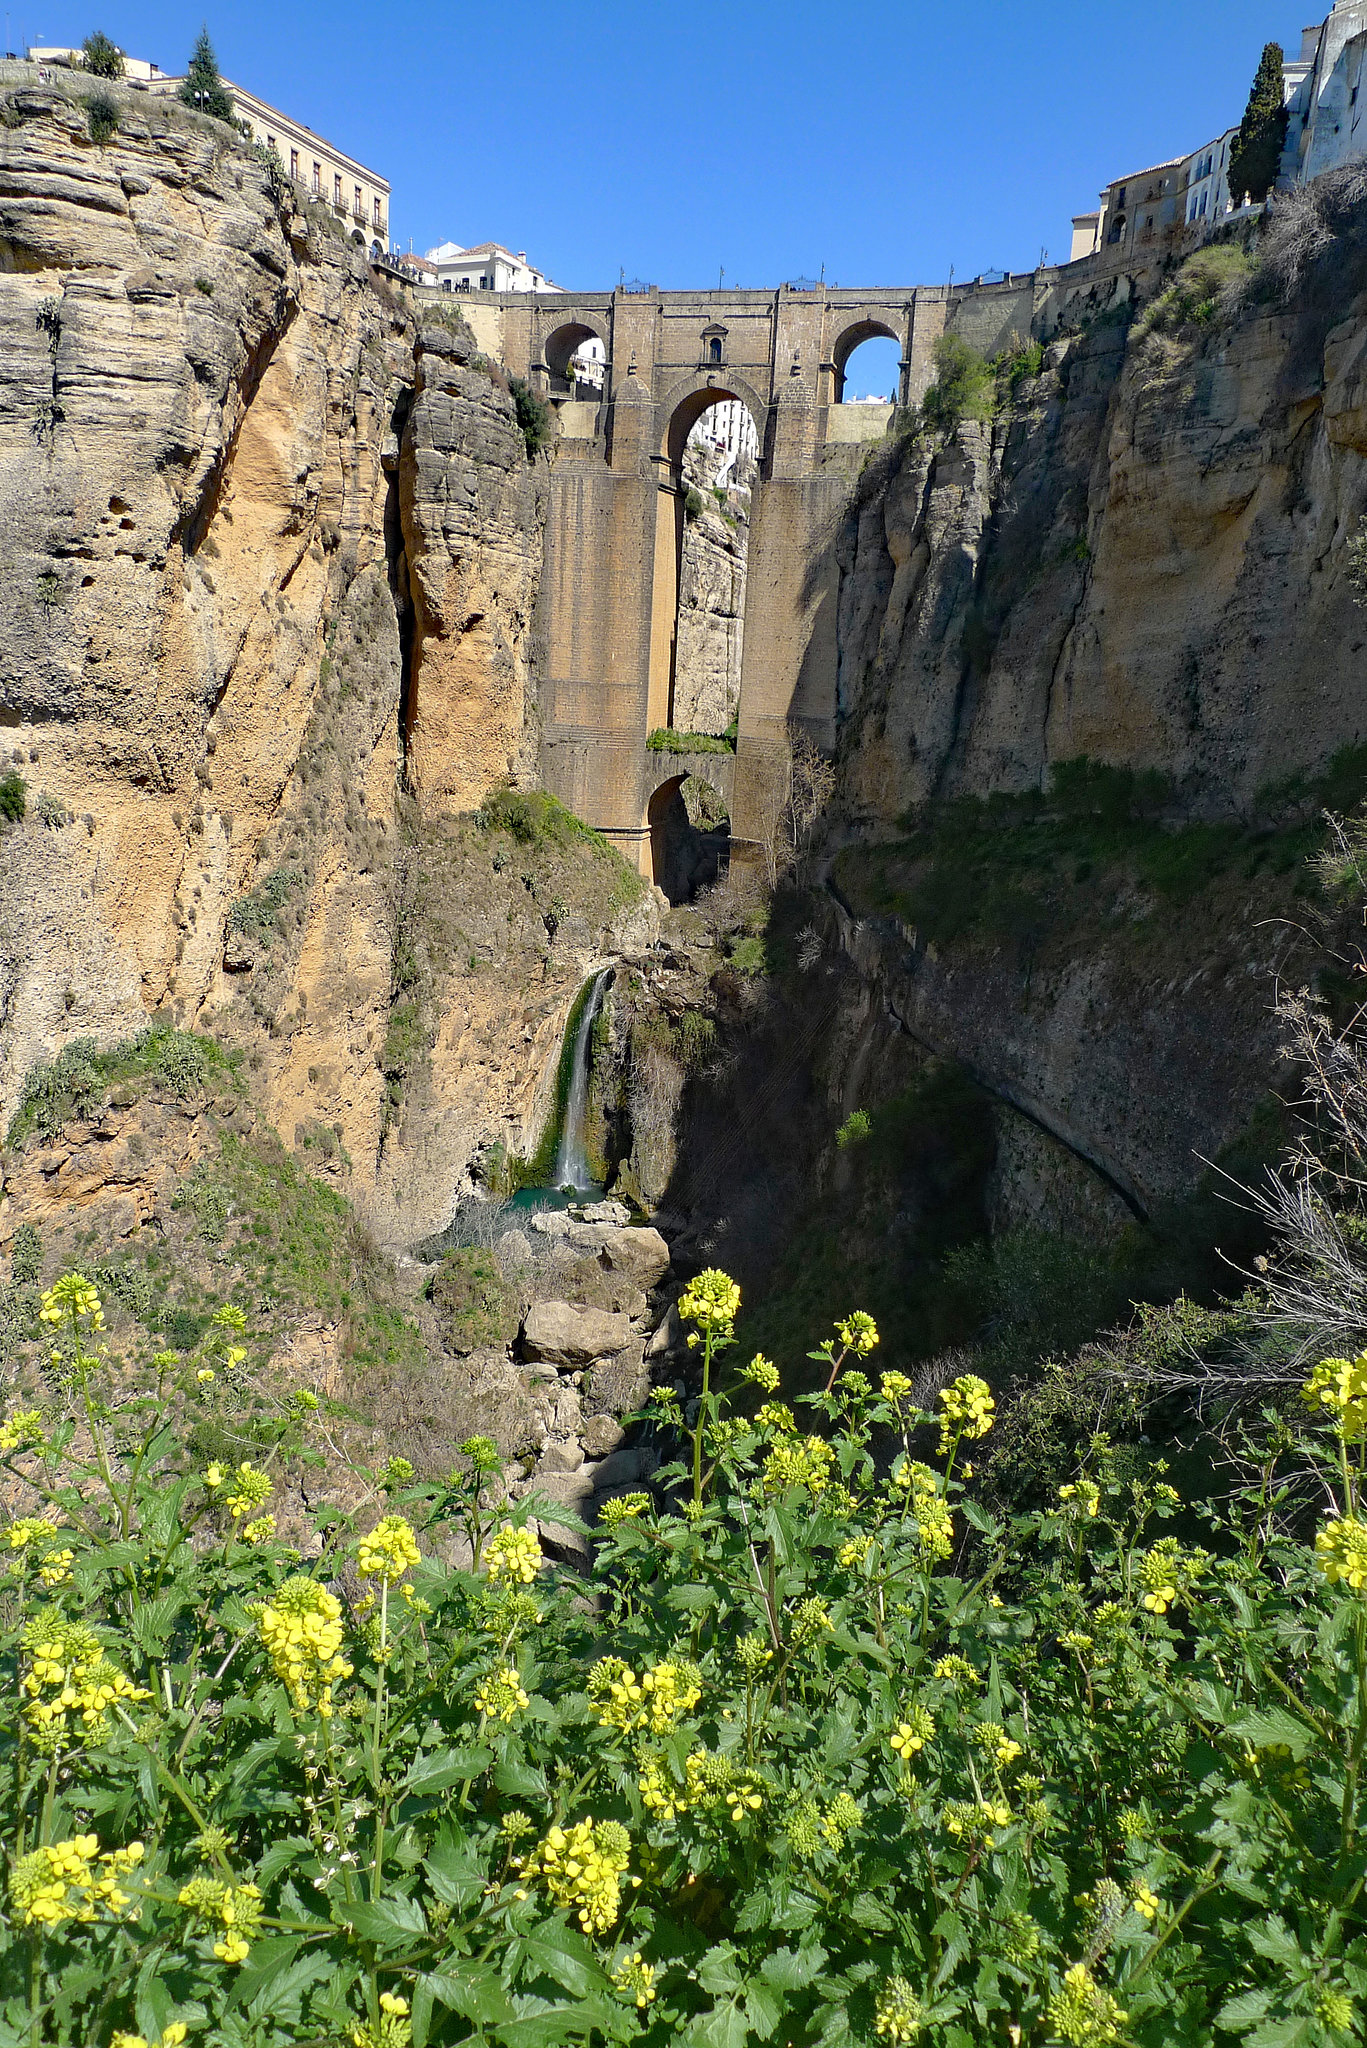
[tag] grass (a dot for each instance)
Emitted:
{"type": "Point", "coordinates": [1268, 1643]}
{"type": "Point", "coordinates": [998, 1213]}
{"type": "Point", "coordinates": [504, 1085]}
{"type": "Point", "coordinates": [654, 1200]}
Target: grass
{"type": "Point", "coordinates": [1017, 867]}
{"type": "Point", "coordinates": [82, 1075]}
{"type": "Point", "coordinates": [668, 739]}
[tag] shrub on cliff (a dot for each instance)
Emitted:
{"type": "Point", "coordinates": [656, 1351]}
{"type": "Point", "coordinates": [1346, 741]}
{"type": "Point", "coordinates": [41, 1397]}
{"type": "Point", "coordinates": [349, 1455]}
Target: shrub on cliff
{"type": "Point", "coordinates": [830, 1756]}
{"type": "Point", "coordinates": [100, 57]}
{"type": "Point", "coordinates": [965, 386]}
{"type": "Point", "coordinates": [473, 1306]}
{"type": "Point", "coordinates": [533, 416]}
{"type": "Point", "coordinates": [13, 796]}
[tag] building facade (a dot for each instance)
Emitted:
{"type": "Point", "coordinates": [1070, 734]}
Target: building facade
{"type": "Point", "coordinates": [488, 267]}
{"type": "Point", "coordinates": [1325, 87]}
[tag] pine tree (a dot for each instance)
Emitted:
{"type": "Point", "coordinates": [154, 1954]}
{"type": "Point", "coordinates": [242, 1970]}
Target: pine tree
{"type": "Point", "coordinates": [203, 88]}
{"type": "Point", "coordinates": [1256, 155]}
{"type": "Point", "coordinates": [102, 59]}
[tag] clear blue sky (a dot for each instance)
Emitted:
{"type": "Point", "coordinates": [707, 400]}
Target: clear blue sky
{"type": "Point", "coordinates": [887, 142]}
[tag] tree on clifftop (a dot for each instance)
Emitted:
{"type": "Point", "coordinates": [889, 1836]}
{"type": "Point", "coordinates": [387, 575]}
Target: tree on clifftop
{"type": "Point", "coordinates": [203, 88]}
{"type": "Point", "coordinates": [100, 57]}
{"type": "Point", "coordinates": [1256, 154]}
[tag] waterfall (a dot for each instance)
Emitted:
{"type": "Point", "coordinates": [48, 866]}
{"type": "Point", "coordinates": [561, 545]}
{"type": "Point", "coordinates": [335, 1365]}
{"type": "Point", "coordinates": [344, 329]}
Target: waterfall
{"type": "Point", "coordinates": [571, 1161]}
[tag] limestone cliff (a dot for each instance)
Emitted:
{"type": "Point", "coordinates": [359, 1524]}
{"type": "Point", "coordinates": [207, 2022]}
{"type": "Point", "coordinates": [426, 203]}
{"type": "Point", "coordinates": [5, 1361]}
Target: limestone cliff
{"type": "Point", "coordinates": [269, 561]}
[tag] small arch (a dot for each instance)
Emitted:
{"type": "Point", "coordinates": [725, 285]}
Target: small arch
{"type": "Point", "coordinates": [567, 341]}
{"type": "Point", "coordinates": [854, 337]}
{"type": "Point", "coordinates": [690, 836]}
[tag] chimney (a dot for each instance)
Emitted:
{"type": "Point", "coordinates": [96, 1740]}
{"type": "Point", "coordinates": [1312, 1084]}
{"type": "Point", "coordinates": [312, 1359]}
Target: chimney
{"type": "Point", "coordinates": [522, 255]}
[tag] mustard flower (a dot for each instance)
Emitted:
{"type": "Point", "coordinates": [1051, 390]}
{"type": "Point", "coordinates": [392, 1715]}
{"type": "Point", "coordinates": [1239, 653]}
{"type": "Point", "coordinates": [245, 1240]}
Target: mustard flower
{"type": "Point", "coordinates": [250, 1490]}
{"type": "Point", "coordinates": [1083, 2013]}
{"type": "Point", "coordinates": [898, 2013]}
{"type": "Point", "coordinates": [807, 1464]}
{"type": "Point", "coordinates": [1075, 1639]}
{"type": "Point", "coordinates": [73, 1295]}
{"type": "Point", "coordinates": [388, 1551]}
{"type": "Point", "coordinates": [957, 1670]}
{"type": "Point", "coordinates": [1341, 1552]}
{"type": "Point", "coordinates": [23, 1432]}
{"type": "Point", "coordinates": [811, 1617]}
{"type": "Point", "coordinates": [235, 1908]}
{"type": "Point", "coordinates": [499, 1695]}
{"type": "Point", "coordinates": [1147, 1903]}
{"type": "Point", "coordinates": [762, 1373]}
{"type": "Point", "coordinates": [229, 1317]}
{"type": "Point", "coordinates": [394, 2030]}
{"type": "Point", "coordinates": [482, 1452]}
{"type": "Point", "coordinates": [840, 1819]}
{"type": "Point", "coordinates": [775, 1418]}
{"type": "Point", "coordinates": [301, 1630]}
{"type": "Point", "coordinates": [170, 2036]}
{"type": "Point", "coordinates": [582, 1868]}
{"type": "Point", "coordinates": [968, 1819]}
{"type": "Point", "coordinates": [71, 1683]}
{"type": "Point", "coordinates": [635, 1980]}
{"type": "Point", "coordinates": [858, 1333]}
{"type": "Point", "coordinates": [752, 1654]}
{"type": "Point", "coordinates": [1082, 1497]}
{"type": "Point", "coordinates": [514, 1555]}
{"type": "Point", "coordinates": [912, 1734]}
{"type": "Point", "coordinates": [712, 1301]}
{"type": "Point", "coordinates": [895, 1387]}
{"type": "Point", "coordinates": [1339, 1385]}
{"type": "Point", "coordinates": [625, 1508]}
{"type": "Point", "coordinates": [259, 1531]}
{"type": "Point", "coordinates": [994, 1742]}
{"type": "Point", "coordinates": [206, 1375]}
{"type": "Point", "coordinates": [966, 1409]}
{"type": "Point", "coordinates": [71, 1880]}
{"type": "Point", "coordinates": [1167, 1571]}
{"type": "Point", "coordinates": [214, 1476]}
{"type": "Point", "coordinates": [660, 1793]}
{"type": "Point", "coordinates": [852, 1554]}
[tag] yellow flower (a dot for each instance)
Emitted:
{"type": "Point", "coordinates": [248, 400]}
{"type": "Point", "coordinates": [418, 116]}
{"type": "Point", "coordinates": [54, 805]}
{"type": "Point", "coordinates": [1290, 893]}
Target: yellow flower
{"type": "Point", "coordinates": [500, 1695]}
{"type": "Point", "coordinates": [1166, 1571]}
{"type": "Point", "coordinates": [259, 1531]}
{"type": "Point", "coordinates": [582, 1868]}
{"type": "Point", "coordinates": [712, 1301]}
{"type": "Point", "coordinates": [205, 1374]}
{"type": "Point", "coordinates": [71, 1880]}
{"type": "Point", "coordinates": [762, 1373]}
{"type": "Point", "coordinates": [966, 1409]}
{"type": "Point", "coordinates": [1083, 1497]}
{"type": "Point", "coordinates": [897, 2013]}
{"type": "Point", "coordinates": [894, 1386]}
{"type": "Point", "coordinates": [1341, 1552]}
{"type": "Point", "coordinates": [73, 1295]}
{"type": "Point", "coordinates": [1083, 2013]}
{"type": "Point", "coordinates": [993, 1740]}
{"type": "Point", "coordinates": [1147, 1903]}
{"type": "Point", "coordinates": [302, 1632]}
{"type": "Point", "coordinates": [635, 1980]}
{"type": "Point", "coordinates": [913, 1734]}
{"type": "Point", "coordinates": [71, 1683]}
{"type": "Point", "coordinates": [251, 1490]}
{"type": "Point", "coordinates": [624, 1507]}
{"type": "Point", "coordinates": [170, 2037]}
{"type": "Point", "coordinates": [1340, 1386]}
{"type": "Point", "coordinates": [791, 1463]}
{"type": "Point", "coordinates": [232, 1949]}
{"type": "Point", "coordinates": [214, 1477]}
{"type": "Point", "coordinates": [388, 1551]}
{"type": "Point", "coordinates": [858, 1333]}
{"type": "Point", "coordinates": [513, 1554]}
{"type": "Point", "coordinates": [23, 1432]}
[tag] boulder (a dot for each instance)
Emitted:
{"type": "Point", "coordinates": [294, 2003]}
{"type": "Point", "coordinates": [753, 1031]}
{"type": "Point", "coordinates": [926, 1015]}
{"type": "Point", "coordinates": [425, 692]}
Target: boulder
{"type": "Point", "coordinates": [605, 1212]}
{"type": "Point", "coordinates": [616, 1386]}
{"type": "Point", "coordinates": [624, 1468]}
{"type": "Point", "coordinates": [564, 1455]}
{"type": "Point", "coordinates": [641, 1253]}
{"type": "Point", "coordinates": [601, 1435]}
{"type": "Point", "coordinates": [565, 1336]}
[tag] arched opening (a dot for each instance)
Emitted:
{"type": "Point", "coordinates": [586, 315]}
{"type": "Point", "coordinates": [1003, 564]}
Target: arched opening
{"type": "Point", "coordinates": [718, 471]}
{"type": "Point", "coordinates": [868, 365]}
{"type": "Point", "coordinates": [576, 357]}
{"type": "Point", "coordinates": [690, 836]}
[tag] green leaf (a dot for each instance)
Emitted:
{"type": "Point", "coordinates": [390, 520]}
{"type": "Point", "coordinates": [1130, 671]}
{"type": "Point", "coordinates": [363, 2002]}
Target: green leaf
{"type": "Point", "coordinates": [455, 1869]}
{"type": "Point", "coordinates": [439, 1768]}
{"type": "Point", "coordinates": [1284, 2033]}
{"type": "Point", "coordinates": [1274, 1725]}
{"type": "Point", "coordinates": [389, 1923]}
{"type": "Point", "coordinates": [519, 1780]}
{"type": "Point", "coordinates": [476, 1993]}
{"type": "Point", "coordinates": [763, 2007]}
{"type": "Point", "coordinates": [717, 1972]}
{"type": "Point", "coordinates": [1245, 2009]}
{"type": "Point", "coordinates": [566, 1957]}
{"type": "Point", "coordinates": [793, 1968]}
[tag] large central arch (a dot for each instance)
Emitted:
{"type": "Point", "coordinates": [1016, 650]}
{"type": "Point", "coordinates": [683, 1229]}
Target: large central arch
{"type": "Point", "coordinates": [852, 338]}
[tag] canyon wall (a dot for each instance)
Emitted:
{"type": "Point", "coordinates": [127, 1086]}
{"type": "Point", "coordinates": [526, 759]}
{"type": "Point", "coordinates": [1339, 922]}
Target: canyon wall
{"type": "Point", "coordinates": [270, 557]}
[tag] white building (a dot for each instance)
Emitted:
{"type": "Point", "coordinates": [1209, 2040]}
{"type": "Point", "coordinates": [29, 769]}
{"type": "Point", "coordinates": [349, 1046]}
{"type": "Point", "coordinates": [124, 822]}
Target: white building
{"type": "Point", "coordinates": [1326, 95]}
{"type": "Point", "coordinates": [488, 267]}
{"type": "Point", "coordinates": [357, 195]}
{"type": "Point", "coordinates": [1207, 175]}
{"type": "Point", "coordinates": [728, 427]}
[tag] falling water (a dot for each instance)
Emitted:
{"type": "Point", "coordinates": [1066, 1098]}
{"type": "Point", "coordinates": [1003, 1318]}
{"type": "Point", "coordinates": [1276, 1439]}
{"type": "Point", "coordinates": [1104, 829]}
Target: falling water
{"type": "Point", "coordinates": [571, 1161]}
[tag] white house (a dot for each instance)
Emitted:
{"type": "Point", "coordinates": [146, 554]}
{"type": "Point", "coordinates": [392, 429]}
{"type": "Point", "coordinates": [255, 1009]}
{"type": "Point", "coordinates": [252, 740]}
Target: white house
{"type": "Point", "coordinates": [1207, 174]}
{"type": "Point", "coordinates": [1326, 95]}
{"type": "Point", "coordinates": [488, 267]}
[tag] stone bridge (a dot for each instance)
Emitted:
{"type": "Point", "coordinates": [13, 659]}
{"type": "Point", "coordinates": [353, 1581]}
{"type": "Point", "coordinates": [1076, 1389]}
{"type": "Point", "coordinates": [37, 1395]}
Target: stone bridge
{"type": "Point", "coordinates": [609, 592]}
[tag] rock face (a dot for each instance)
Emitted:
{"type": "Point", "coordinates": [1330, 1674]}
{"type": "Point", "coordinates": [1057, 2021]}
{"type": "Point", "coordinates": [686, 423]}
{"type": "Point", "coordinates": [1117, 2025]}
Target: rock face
{"type": "Point", "coordinates": [565, 1336]}
{"type": "Point", "coordinates": [1145, 562]}
{"type": "Point", "coordinates": [710, 640]}
{"type": "Point", "coordinates": [270, 559]}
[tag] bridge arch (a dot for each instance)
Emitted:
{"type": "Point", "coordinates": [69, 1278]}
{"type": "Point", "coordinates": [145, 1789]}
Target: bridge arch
{"type": "Point", "coordinates": [561, 343]}
{"type": "Point", "coordinates": [853, 337]}
{"type": "Point", "coordinates": [682, 408]}
{"type": "Point", "coordinates": [690, 843]}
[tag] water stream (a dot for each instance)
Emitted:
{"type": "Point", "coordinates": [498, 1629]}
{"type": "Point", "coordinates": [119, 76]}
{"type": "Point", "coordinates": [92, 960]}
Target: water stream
{"type": "Point", "coordinates": [571, 1160]}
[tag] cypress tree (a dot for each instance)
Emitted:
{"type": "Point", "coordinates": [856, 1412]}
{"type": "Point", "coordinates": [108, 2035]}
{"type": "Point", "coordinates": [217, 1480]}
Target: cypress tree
{"type": "Point", "coordinates": [1256, 155]}
{"type": "Point", "coordinates": [203, 88]}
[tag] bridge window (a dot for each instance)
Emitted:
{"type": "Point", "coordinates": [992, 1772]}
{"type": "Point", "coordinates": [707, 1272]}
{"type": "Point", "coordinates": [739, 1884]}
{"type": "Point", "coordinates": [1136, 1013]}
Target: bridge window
{"type": "Point", "coordinates": [576, 357]}
{"type": "Point", "coordinates": [714, 349]}
{"type": "Point", "coordinates": [690, 836]}
{"type": "Point", "coordinates": [870, 373]}
{"type": "Point", "coordinates": [717, 483]}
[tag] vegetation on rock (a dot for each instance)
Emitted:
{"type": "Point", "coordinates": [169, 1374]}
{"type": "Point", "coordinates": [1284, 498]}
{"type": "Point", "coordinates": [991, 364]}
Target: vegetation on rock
{"type": "Point", "coordinates": [101, 57]}
{"type": "Point", "coordinates": [202, 87]}
{"type": "Point", "coordinates": [1256, 152]}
